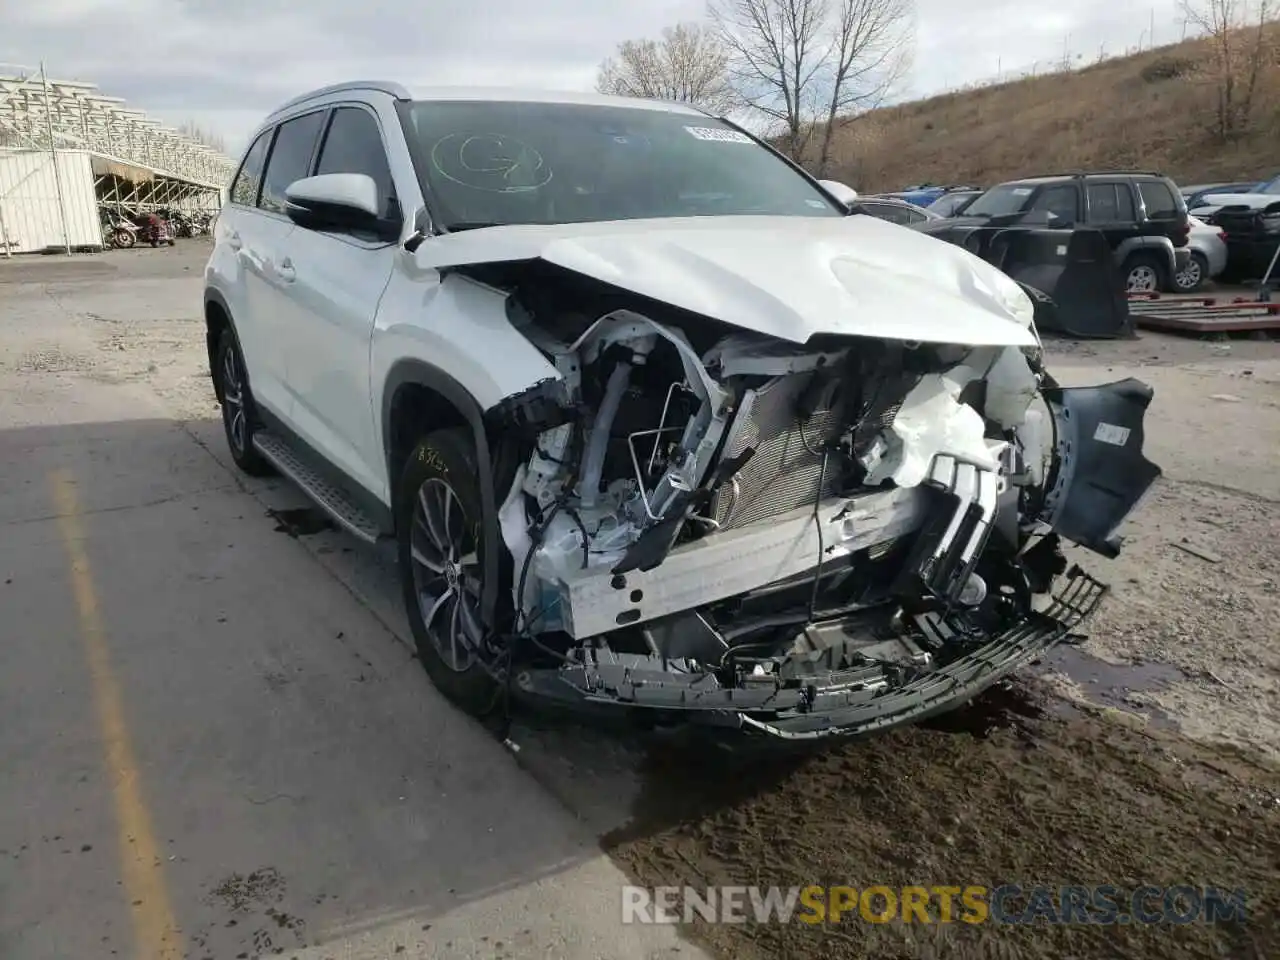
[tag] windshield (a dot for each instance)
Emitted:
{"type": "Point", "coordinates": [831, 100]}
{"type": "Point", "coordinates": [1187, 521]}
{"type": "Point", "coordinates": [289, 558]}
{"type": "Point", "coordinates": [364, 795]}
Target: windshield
{"type": "Point", "coordinates": [487, 163]}
{"type": "Point", "coordinates": [1000, 201]}
{"type": "Point", "coordinates": [1270, 187]}
{"type": "Point", "coordinates": [949, 203]}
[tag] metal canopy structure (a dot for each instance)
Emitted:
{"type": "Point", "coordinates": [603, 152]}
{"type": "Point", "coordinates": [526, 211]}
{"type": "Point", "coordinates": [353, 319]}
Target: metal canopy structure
{"type": "Point", "coordinates": [140, 161]}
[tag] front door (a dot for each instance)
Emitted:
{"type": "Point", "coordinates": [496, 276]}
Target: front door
{"type": "Point", "coordinates": [336, 282]}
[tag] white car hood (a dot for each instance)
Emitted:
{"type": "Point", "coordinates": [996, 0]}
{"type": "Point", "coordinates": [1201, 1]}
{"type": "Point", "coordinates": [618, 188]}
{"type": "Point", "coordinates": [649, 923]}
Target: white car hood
{"type": "Point", "coordinates": [786, 277]}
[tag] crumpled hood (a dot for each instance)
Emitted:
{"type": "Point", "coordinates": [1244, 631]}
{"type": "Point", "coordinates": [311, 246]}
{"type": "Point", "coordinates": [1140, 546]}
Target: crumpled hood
{"type": "Point", "coordinates": [786, 277]}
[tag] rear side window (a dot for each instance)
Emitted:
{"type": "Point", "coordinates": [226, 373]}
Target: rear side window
{"type": "Point", "coordinates": [354, 145]}
{"type": "Point", "coordinates": [290, 158]}
{"type": "Point", "coordinates": [1158, 199]}
{"type": "Point", "coordinates": [1110, 203]}
{"type": "Point", "coordinates": [244, 188]}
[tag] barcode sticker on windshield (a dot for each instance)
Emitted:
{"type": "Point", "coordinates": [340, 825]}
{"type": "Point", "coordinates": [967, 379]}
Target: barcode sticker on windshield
{"type": "Point", "coordinates": [1112, 433]}
{"type": "Point", "coordinates": [718, 134]}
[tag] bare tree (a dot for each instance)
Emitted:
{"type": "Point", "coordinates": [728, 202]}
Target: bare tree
{"type": "Point", "coordinates": [1242, 50]}
{"type": "Point", "coordinates": [687, 64]}
{"type": "Point", "coordinates": [808, 65]}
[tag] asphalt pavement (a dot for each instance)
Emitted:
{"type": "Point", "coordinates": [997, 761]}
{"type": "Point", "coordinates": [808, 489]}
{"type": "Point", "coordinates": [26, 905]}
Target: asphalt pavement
{"type": "Point", "coordinates": [213, 740]}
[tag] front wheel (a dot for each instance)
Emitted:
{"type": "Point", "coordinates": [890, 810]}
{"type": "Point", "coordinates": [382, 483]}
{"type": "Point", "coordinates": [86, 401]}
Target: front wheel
{"type": "Point", "coordinates": [1194, 275]}
{"type": "Point", "coordinates": [440, 545]}
{"type": "Point", "coordinates": [238, 418]}
{"type": "Point", "coordinates": [124, 239]}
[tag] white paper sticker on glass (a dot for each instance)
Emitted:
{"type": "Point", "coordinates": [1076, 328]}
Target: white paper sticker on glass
{"type": "Point", "coordinates": [718, 134]}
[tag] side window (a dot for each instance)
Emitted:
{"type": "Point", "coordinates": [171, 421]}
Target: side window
{"type": "Point", "coordinates": [244, 188]}
{"type": "Point", "coordinates": [1103, 206]}
{"type": "Point", "coordinates": [1060, 201]}
{"type": "Point", "coordinates": [290, 158]}
{"type": "Point", "coordinates": [353, 144]}
{"type": "Point", "coordinates": [1158, 200]}
{"type": "Point", "coordinates": [1110, 203]}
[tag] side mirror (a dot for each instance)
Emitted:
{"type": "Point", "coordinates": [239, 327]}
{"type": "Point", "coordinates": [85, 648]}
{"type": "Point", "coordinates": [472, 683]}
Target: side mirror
{"type": "Point", "coordinates": [343, 202]}
{"type": "Point", "coordinates": [843, 194]}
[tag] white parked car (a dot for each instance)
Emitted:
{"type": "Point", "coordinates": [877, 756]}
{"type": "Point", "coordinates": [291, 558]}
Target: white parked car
{"type": "Point", "coordinates": [1208, 256]}
{"type": "Point", "coordinates": [654, 424]}
{"type": "Point", "coordinates": [1259, 197]}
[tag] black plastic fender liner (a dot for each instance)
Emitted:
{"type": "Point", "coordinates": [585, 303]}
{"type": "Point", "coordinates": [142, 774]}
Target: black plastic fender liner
{"type": "Point", "coordinates": [433, 378]}
{"type": "Point", "coordinates": [1100, 473]}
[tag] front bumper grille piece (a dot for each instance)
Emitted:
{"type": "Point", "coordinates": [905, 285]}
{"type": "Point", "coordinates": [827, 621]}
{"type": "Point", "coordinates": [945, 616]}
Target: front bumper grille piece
{"type": "Point", "coordinates": [864, 699]}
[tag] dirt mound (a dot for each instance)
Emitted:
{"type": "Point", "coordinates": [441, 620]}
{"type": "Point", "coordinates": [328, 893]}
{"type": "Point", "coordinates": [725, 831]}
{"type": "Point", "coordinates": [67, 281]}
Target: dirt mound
{"type": "Point", "coordinates": [1006, 791]}
{"type": "Point", "coordinates": [1151, 111]}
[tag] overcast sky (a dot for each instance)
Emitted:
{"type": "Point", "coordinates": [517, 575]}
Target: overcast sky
{"type": "Point", "coordinates": [224, 63]}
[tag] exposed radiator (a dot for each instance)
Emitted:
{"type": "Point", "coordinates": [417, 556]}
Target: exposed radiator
{"type": "Point", "coordinates": [782, 474]}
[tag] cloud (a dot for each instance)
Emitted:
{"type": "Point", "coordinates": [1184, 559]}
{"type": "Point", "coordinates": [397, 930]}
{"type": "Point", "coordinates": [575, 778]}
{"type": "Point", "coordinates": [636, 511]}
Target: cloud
{"type": "Point", "coordinates": [225, 63]}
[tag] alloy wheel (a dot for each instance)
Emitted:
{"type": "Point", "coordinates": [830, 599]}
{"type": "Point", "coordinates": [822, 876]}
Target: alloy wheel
{"type": "Point", "coordinates": [233, 411]}
{"type": "Point", "coordinates": [1143, 279]}
{"type": "Point", "coordinates": [1189, 277]}
{"type": "Point", "coordinates": [446, 577]}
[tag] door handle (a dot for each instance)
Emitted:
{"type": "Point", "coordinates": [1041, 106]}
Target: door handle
{"type": "Point", "coordinates": [234, 241]}
{"type": "Point", "coordinates": [286, 271]}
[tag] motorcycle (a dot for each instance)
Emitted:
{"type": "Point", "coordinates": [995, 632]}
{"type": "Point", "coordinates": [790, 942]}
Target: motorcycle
{"type": "Point", "coordinates": [155, 230]}
{"type": "Point", "coordinates": [118, 232]}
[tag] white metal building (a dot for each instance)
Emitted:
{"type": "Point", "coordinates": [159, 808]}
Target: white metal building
{"type": "Point", "coordinates": [107, 155]}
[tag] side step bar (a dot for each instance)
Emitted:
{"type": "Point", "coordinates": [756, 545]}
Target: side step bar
{"type": "Point", "coordinates": [332, 499]}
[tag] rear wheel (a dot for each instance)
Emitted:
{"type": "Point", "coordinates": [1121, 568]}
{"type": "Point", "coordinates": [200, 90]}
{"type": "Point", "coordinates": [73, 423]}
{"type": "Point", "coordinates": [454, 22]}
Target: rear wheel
{"type": "Point", "coordinates": [1193, 276]}
{"type": "Point", "coordinates": [440, 540]}
{"type": "Point", "coordinates": [238, 414]}
{"type": "Point", "coordinates": [1143, 273]}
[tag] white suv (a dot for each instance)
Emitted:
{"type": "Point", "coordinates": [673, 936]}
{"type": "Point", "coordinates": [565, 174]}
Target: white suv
{"type": "Point", "coordinates": [655, 422]}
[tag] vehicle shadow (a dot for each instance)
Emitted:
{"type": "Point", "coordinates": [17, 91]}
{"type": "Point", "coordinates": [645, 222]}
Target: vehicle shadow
{"type": "Point", "coordinates": [299, 775]}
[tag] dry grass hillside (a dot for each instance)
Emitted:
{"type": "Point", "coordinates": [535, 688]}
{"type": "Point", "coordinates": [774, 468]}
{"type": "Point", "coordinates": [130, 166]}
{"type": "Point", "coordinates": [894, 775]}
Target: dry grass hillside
{"type": "Point", "coordinates": [1154, 110]}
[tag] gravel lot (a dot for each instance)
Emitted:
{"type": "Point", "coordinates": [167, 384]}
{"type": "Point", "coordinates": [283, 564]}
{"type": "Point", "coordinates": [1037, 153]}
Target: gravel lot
{"type": "Point", "coordinates": [1149, 753]}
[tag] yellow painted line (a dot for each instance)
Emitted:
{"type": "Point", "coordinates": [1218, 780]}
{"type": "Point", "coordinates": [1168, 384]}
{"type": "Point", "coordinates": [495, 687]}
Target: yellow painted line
{"type": "Point", "coordinates": [156, 934]}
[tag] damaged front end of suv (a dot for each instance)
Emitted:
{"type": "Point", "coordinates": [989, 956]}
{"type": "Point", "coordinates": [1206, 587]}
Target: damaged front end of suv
{"type": "Point", "coordinates": [807, 539]}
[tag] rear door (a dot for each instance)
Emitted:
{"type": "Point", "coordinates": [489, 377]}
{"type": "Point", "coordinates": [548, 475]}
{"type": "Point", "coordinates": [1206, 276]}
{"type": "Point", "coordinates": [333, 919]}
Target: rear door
{"type": "Point", "coordinates": [1110, 207]}
{"type": "Point", "coordinates": [264, 252]}
{"type": "Point", "coordinates": [337, 280]}
{"type": "Point", "coordinates": [242, 234]}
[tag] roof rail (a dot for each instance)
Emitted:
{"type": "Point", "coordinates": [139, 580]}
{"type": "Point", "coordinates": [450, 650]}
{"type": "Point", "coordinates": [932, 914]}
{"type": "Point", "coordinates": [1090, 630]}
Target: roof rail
{"type": "Point", "coordinates": [397, 90]}
{"type": "Point", "coordinates": [1095, 173]}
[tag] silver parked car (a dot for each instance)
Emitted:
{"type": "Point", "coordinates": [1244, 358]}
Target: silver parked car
{"type": "Point", "coordinates": [1208, 256]}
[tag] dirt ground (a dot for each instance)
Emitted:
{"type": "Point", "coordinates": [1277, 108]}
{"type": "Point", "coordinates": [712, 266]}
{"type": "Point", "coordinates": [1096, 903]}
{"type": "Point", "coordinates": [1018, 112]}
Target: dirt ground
{"type": "Point", "coordinates": [1147, 754]}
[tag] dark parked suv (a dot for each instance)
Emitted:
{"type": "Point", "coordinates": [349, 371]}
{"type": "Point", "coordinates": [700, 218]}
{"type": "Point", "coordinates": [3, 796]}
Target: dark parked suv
{"type": "Point", "coordinates": [1142, 215]}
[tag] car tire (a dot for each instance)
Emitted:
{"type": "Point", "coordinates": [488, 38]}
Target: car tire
{"type": "Point", "coordinates": [1195, 275]}
{"type": "Point", "coordinates": [440, 549]}
{"type": "Point", "coordinates": [239, 416]}
{"type": "Point", "coordinates": [1144, 273]}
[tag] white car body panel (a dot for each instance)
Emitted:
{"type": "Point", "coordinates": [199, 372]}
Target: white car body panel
{"type": "Point", "coordinates": [247, 245]}
{"type": "Point", "coordinates": [1213, 202]}
{"type": "Point", "coordinates": [327, 320]}
{"type": "Point", "coordinates": [786, 277]}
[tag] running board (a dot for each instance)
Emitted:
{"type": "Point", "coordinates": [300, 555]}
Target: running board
{"type": "Point", "coordinates": [332, 499]}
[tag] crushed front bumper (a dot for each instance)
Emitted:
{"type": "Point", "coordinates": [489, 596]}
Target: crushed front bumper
{"type": "Point", "coordinates": [848, 703]}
